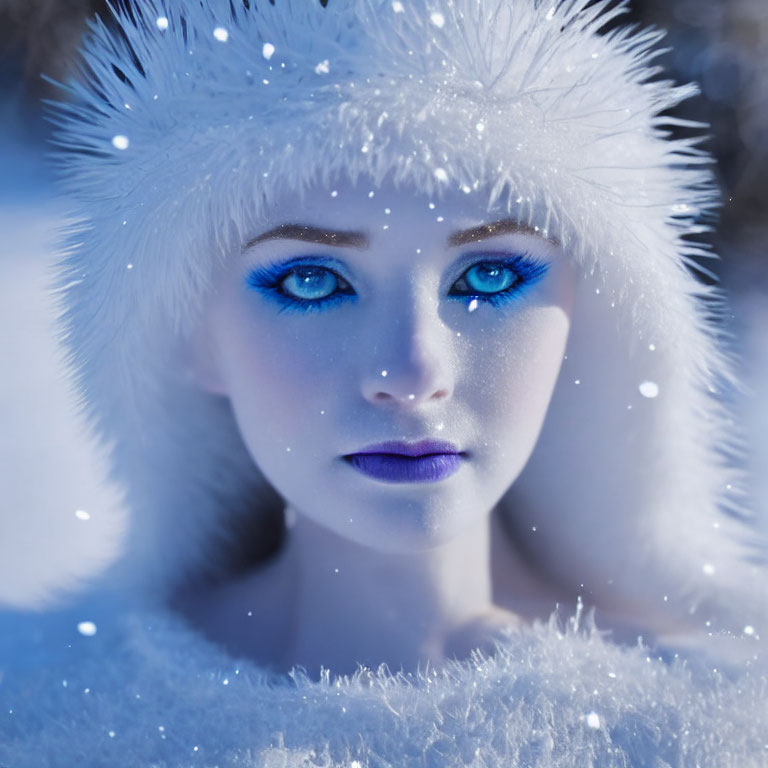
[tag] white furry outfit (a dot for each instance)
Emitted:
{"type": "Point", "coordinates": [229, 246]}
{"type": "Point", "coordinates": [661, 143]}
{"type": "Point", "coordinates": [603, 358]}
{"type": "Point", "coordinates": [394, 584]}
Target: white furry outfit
{"type": "Point", "coordinates": [148, 692]}
{"type": "Point", "coordinates": [183, 129]}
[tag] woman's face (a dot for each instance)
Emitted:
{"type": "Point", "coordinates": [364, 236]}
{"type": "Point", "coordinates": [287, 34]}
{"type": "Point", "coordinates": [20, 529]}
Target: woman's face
{"type": "Point", "coordinates": [389, 359]}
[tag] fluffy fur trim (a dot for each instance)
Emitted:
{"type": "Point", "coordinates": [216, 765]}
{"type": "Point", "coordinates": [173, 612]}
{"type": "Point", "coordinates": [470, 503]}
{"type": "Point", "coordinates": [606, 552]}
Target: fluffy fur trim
{"type": "Point", "coordinates": [147, 691]}
{"type": "Point", "coordinates": [189, 118]}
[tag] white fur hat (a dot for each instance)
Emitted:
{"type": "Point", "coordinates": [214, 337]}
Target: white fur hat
{"type": "Point", "coordinates": [190, 117]}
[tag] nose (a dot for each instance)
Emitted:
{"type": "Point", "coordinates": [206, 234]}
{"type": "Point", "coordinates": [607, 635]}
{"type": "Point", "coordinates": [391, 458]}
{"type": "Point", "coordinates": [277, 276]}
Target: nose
{"type": "Point", "coordinates": [411, 363]}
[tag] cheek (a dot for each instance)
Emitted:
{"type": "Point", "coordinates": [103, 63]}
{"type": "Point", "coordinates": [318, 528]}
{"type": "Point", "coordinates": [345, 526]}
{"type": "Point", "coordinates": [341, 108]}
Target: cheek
{"type": "Point", "coordinates": [281, 372]}
{"type": "Point", "coordinates": [511, 375]}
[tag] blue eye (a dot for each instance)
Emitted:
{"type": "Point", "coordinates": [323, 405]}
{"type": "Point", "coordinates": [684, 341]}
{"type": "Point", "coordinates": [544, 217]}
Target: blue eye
{"type": "Point", "coordinates": [490, 278]}
{"type": "Point", "coordinates": [499, 277]}
{"type": "Point", "coordinates": [309, 283]}
{"type": "Point", "coordinates": [301, 286]}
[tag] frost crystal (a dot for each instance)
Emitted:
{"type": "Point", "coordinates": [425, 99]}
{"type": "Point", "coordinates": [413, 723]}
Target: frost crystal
{"type": "Point", "coordinates": [86, 628]}
{"type": "Point", "coordinates": [649, 389]}
{"type": "Point", "coordinates": [472, 306]}
{"type": "Point", "coordinates": [323, 68]}
{"type": "Point", "coordinates": [221, 34]}
{"type": "Point", "coordinates": [120, 142]}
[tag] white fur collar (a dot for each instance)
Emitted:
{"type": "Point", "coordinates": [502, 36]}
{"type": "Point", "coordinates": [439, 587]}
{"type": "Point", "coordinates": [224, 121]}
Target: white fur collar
{"type": "Point", "coordinates": [144, 690]}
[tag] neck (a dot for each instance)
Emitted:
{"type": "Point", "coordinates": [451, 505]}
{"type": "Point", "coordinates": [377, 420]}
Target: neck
{"type": "Point", "coordinates": [353, 604]}
{"type": "Point", "coordinates": [327, 602]}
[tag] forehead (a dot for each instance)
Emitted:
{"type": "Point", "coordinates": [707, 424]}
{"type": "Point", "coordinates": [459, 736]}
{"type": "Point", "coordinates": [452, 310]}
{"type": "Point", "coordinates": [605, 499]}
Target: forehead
{"type": "Point", "coordinates": [383, 211]}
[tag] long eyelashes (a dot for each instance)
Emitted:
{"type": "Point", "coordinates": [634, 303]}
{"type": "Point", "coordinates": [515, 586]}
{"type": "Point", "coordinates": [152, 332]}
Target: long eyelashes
{"type": "Point", "coordinates": [311, 283]}
{"type": "Point", "coordinates": [498, 277]}
{"type": "Point", "coordinates": [304, 284]}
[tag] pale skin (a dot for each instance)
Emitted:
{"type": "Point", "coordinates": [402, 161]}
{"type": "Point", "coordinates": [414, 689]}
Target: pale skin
{"type": "Point", "coordinates": [397, 572]}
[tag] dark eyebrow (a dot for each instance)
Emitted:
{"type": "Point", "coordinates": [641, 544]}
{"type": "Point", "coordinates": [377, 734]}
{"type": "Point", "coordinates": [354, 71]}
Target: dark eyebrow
{"type": "Point", "coordinates": [494, 228]}
{"type": "Point", "coordinates": [316, 235]}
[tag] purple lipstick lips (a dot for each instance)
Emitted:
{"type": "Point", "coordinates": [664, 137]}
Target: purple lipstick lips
{"type": "Point", "coordinates": [425, 462]}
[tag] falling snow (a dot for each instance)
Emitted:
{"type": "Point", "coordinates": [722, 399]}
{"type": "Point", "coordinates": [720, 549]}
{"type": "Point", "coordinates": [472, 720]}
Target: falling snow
{"type": "Point", "coordinates": [221, 34]}
{"type": "Point", "coordinates": [86, 628]}
{"type": "Point", "coordinates": [649, 389]}
{"type": "Point", "coordinates": [120, 142]}
{"type": "Point", "coordinates": [437, 19]}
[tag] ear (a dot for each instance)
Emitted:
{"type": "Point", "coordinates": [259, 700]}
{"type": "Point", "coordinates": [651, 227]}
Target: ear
{"type": "Point", "coordinates": [203, 362]}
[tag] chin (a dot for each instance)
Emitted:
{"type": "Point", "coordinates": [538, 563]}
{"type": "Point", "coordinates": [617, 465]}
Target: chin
{"type": "Point", "coordinates": [405, 525]}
